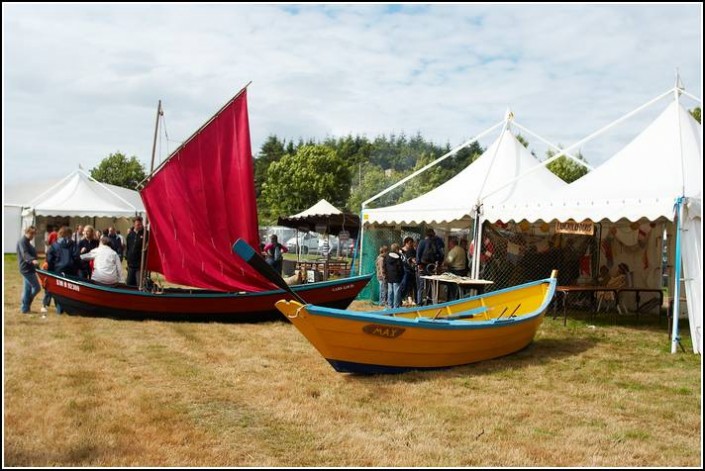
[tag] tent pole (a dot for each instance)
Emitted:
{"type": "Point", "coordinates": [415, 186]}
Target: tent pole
{"type": "Point", "coordinates": [507, 119]}
{"type": "Point", "coordinates": [477, 246]}
{"type": "Point", "coordinates": [361, 241]}
{"type": "Point", "coordinates": [675, 338]}
{"type": "Point", "coordinates": [676, 95]}
{"type": "Point", "coordinates": [574, 158]}
{"type": "Point", "coordinates": [198, 131]}
{"type": "Point", "coordinates": [691, 96]}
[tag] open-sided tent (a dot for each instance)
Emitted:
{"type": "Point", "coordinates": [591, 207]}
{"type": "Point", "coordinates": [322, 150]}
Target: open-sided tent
{"type": "Point", "coordinates": [323, 214]}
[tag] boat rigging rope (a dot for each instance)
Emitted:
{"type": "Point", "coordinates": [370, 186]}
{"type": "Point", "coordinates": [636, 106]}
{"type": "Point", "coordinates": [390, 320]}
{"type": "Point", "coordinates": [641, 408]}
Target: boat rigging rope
{"type": "Point", "coordinates": [296, 314]}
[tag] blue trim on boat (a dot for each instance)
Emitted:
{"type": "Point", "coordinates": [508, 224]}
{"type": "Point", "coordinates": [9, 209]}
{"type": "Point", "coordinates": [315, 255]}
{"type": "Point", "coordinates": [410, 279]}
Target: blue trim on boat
{"type": "Point", "coordinates": [384, 318]}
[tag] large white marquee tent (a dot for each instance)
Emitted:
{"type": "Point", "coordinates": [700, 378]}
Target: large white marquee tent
{"type": "Point", "coordinates": [640, 181]}
{"type": "Point", "coordinates": [657, 176]}
{"type": "Point", "coordinates": [458, 201]}
{"type": "Point", "coordinates": [659, 171]}
{"type": "Point", "coordinates": [455, 200]}
{"type": "Point", "coordinates": [79, 195]}
{"type": "Point", "coordinates": [76, 196]}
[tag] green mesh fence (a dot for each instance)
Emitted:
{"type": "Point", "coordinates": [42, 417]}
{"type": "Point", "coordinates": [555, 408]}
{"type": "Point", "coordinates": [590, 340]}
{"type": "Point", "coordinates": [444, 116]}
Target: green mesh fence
{"type": "Point", "coordinates": [374, 239]}
{"type": "Point", "coordinates": [511, 254]}
{"type": "Point", "coordinates": [519, 253]}
{"type": "Point", "coordinates": [516, 253]}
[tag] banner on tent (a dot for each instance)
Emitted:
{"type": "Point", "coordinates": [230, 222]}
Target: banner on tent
{"type": "Point", "coordinates": [572, 227]}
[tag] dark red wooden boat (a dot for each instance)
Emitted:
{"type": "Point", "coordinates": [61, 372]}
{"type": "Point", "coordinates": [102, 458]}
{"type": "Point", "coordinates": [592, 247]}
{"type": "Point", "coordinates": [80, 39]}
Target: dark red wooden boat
{"type": "Point", "coordinates": [199, 202]}
{"type": "Point", "coordinates": [84, 297]}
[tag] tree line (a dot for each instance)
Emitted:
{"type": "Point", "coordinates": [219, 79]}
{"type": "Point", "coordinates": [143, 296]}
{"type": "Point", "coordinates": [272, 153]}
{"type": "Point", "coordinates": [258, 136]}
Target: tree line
{"type": "Point", "coordinates": [292, 176]}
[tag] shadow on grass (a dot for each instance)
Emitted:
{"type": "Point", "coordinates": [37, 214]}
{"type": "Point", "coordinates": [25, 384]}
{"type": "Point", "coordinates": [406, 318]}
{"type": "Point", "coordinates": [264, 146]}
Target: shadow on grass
{"type": "Point", "coordinates": [537, 353]}
{"type": "Point", "coordinates": [543, 350]}
{"type": "Point", "coordinates": [242, 318]}
{"type": "Point", "coordinates": [646, 321]}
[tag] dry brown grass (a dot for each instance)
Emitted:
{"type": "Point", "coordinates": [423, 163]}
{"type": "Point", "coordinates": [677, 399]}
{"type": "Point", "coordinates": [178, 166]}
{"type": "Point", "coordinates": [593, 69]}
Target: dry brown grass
{"type": "Point", "coordinates": [100, 392]}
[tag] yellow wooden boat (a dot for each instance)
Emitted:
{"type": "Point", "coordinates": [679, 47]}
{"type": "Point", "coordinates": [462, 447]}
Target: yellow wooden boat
{"type": "Point", "coordinates": [438, 336]}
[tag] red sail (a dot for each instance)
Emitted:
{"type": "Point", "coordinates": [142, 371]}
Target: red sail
{"type": "Point", "coordinates": [201, 201]}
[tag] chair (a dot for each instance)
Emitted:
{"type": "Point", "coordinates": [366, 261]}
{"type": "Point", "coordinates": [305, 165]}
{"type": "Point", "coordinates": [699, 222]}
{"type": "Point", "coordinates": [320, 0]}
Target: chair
{"type": "Point", "coordinates": [629, 279]}
{"type": "Point", "coordinates": [607, 297]}
{"type": "Point", "coordinates": [623, 280]}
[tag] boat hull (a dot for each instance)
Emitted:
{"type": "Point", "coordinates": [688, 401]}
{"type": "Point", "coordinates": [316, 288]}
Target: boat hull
{"type": "Point", "coordinates": [83, 297]}
{"type": "Point", "coordinates": [440, 336]}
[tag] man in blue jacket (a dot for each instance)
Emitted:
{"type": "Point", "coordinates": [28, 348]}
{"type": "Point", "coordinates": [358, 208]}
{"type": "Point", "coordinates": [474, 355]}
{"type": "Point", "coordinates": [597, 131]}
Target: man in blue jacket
{"type": "Point", "coordinates": [62, 258]}
{"type": "Point", "coordinates": [27, 258]}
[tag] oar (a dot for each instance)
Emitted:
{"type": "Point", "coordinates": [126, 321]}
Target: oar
{"type": "Point", "coordinates": [248, 254]}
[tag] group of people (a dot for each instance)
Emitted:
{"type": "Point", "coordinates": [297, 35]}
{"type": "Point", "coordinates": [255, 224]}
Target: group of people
{"type": "Point", "coordinates": [117, 240]}
{"type": "Point", "coordinates": [400, 269]}
{"type": "Point", "coordinates": [85, 254]}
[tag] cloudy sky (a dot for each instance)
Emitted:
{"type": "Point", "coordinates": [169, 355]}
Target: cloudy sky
{"type": "Point", "coordinates": [83, 81]}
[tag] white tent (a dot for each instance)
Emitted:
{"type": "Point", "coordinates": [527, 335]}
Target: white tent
{"type": "Point", "coordinates": [79, 195]}
{"type": "Point", "coordinates": [76, 196]}
{"type": "Point", "coordinates": [322, 208]}
{"type": "Point", "coordinates": [16, 197]}
{"type": "Point", "coordinates": [651, 177]}
{"type": "Point", "coordinates": [455, 200]}
{"type": "Point", "coordinates": [640, 181]}
{"type": "Point", "coordinates": [12, 227]}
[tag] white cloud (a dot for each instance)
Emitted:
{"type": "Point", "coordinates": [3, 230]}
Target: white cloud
{"type": "Point", "coordinates": [81, 81]}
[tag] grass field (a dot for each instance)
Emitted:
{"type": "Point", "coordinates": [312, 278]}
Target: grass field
{"type": "Point", "coordinates": [101, 392]}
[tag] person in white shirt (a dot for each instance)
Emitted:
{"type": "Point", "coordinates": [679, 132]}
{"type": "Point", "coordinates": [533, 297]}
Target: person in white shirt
{"type": "Point", "coordinates": [107, 269]}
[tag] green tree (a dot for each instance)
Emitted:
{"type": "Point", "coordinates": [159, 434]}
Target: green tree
{"type": "Point", "coordinates": [696, 113]}
{"type": "Point", "coordinates": [462, 158]}
{"type": "Point", "coordinates": [272, 150]}
{"type": "Point", "coordinates": [298, 181]}
{"type": "Point", "coordinates": [523, 140]}
{"type": "Point", "coordinates": [566, 168]}
{"type": "Point", "coordinates": [352, 150]}
{"type": "Point", "coordinates": [117, 169]}
{"type": "Point", "coordinates": [370, 179]}
{"type": "Point", "coordinates": [428, 180]}
{"type": "Point", "coordinates": [291, 148]}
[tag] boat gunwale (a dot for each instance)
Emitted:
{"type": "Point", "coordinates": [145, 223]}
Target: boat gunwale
{"type": "Point", "coordinates": [387, 318]}
{"type": "Point", "coordinates": [209, 293]}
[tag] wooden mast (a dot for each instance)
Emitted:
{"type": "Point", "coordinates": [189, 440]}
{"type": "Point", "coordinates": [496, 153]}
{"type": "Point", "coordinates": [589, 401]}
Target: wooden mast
{"type": "Point", "coordinates": [145, 240]}
{"type": "Point", "coordinates": [161, 165]}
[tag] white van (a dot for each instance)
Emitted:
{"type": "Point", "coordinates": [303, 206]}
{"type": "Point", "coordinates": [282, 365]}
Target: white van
{"type": "Point", "coordinates": [307, 243]}
{"type": "Point", "coordinates": [283, 233]}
